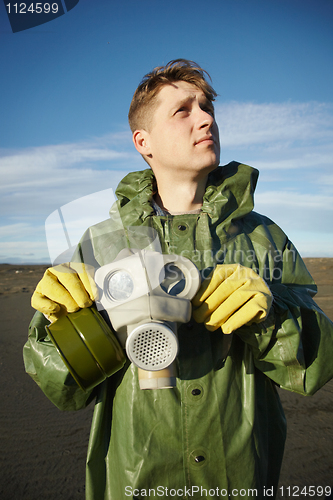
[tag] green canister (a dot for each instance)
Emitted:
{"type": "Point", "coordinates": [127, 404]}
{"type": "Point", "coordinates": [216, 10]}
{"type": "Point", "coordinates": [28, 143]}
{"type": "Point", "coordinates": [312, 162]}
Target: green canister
{"type": "Point", "coordinates": [87, 346]}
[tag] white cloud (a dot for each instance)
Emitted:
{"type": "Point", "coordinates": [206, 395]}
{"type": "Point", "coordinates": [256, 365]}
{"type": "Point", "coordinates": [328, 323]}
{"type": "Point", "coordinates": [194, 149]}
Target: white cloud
{"type": "Point", "coordinates": [325, 179]}
{"type": "Point", "coordinates": [38, 180]}
{"type": "Point", "coordinates": [291, 199]}
{"type": "Point", "coordinates": [250, 124]}
{"type": "Point", "coordinates": [47, 165]}
{"type": "Point", "coordinates": [291, 144]}
{"type": "Point", "coordinates": [55, 157]}
{"type": "Point", "coordinates": [24, 252]}
{"type": "Point", "coordinates": [295, 212]}
{"type": "Point", "coordinates": [291, 158]}
{"type": "Point", "coordinates": [20, 231]}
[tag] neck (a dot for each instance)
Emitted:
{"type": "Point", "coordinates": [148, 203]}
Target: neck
{"type": "Point", "coordinates": [180, 193]}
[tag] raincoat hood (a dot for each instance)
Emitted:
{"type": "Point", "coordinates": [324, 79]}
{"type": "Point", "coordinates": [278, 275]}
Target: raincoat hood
{"type": "Point", "coordinates": [229, 193]}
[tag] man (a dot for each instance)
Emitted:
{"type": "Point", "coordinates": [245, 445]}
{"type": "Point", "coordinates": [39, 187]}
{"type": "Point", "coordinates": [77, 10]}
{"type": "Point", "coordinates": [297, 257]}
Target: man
{"type": "Point", "coordinates": [220, 432]}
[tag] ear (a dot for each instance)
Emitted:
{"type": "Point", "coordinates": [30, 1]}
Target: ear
{"type": "Point", "coordinates": [141, 142]}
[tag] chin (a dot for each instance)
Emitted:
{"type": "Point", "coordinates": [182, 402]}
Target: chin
{"type": "Point", "coordinates": [213, 167]}
{"type": "Point", "coordinates": [206, 169]}
{"type": "Point", "coordinates": [213, 164]}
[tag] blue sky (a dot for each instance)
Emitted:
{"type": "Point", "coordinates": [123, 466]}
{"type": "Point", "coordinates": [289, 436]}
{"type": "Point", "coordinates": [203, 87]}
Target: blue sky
{"type": "Point", "coordinates": [66, 88]}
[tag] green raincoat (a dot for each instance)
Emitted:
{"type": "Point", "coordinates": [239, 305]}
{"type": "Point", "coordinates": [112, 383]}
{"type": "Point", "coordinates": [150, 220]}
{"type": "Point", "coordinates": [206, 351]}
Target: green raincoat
{"type": "Point", "coordinates": [220, 433]}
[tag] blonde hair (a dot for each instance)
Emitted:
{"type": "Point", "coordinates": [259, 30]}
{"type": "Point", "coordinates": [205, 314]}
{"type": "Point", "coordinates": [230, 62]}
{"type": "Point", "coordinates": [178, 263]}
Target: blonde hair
{"type": "Point", "coordinates": [145, 97]}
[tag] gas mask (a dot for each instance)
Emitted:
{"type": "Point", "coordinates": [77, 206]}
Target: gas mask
{"type": "Point", "coordinates": [146, 294]}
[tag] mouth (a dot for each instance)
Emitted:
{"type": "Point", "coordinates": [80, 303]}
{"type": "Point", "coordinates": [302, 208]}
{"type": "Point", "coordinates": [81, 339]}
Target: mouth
{"type": "Point", "coordinates": [208, 139]}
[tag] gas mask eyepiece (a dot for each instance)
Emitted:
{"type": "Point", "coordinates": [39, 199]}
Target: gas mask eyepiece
{"type": "Point", "coordinates": [119, 285]}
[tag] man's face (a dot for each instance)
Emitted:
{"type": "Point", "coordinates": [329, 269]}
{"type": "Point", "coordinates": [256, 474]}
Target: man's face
{"type": "Point", "coordinates": [183, 134]}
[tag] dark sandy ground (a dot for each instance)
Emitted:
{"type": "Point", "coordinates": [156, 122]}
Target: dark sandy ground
{"type": "Point", "coordinates": [42, 450]}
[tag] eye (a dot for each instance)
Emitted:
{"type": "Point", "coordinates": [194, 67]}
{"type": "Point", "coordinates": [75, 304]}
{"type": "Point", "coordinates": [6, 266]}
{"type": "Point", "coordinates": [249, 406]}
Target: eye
{"type": "Point", "coordinates": [181, 109]}
{"type": "Point", "coordinates": [208, 108]}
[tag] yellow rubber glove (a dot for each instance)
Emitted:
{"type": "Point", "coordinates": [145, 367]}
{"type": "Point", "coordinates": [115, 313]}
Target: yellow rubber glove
{"type": "Point", "coordinates": [64, 289]}
{"type": "Point", "coordinates": [232, 296]}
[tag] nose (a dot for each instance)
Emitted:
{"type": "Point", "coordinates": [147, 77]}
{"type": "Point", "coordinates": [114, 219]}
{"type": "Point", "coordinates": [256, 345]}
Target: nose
{"type": "Point", "coordinates": [205, 119]}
